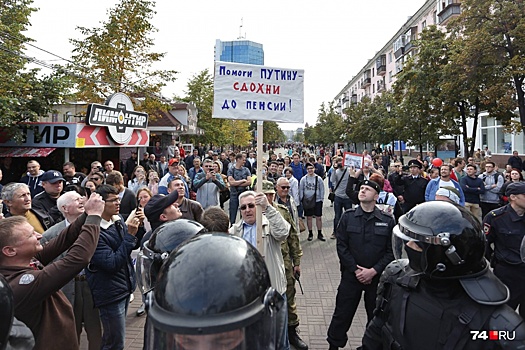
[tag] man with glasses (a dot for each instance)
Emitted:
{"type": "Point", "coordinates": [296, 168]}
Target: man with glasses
{"type": "Point", "coordinates": [275, 231]}
{"type": "Point", "coordinates": [489, 200]}
{"type": "Point", "coordinates": [96, 166]}
{"type": "Point", "coordinates": [292, 252]}
{"type": "Point", "coordinates": [97, 178]}
{"type": "Point", "coordinates": [110, 274]}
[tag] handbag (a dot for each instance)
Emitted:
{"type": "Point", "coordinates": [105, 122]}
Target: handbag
{"type": "Point", "coordinates": [302, 226]}
{"type": "Point", "coordinates": [331, 195]}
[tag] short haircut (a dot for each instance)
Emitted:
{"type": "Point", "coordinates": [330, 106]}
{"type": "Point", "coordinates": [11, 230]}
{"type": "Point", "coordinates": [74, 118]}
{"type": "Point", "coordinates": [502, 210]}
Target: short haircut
{"type": "Point", "coordinates": [9, 190]}
{"type": "Point", "coordinates": [214, 219]}
{"type": "Point", "coordinates": [239, 156]}
{"type": "Point", "coordinates": [70, 164]}
{"type": "Point", "coordinates": [472, 166]}
{"type": "Point", "coordinates": [280, 180]}
{"type": "Point", "coordinates": [96, 163]}
{"type": "Point", "coordinates": [64, 200]}
{"type": "Point", "coordinates": [273, 162]}
{"type": "Point", "coordinates": [289, 169]}
{"type": "Point", "coordinates": [8, 228]}
{"type": "Point", "coordinates": [33, 161]}
{"type": "Point", "coordinates": [490, 162]}
{"type": "Point", "coordinates": [115, 178]}
{"type": "Point", "coordinates": [207, 160]}
{"type": "Point", "coordinates": [449, 166]}
{"type": "Point", "coordinates": [246, 194]}
{"type": "Point", "coordinates": [105, 191]}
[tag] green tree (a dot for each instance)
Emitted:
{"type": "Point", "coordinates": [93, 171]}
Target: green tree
{"type": "Point", "coordinates": [419, 95]}
{"type": "Point", "coordinates": [496, 28]}
{"type": "Point", "coordinates": [272, 133]}
{"type": "Point", "coordinates": [25, 95]}
{"type": "Point", "coordinates": [117, 57]}
{"type": "Point", "coordinates": [329, 126]}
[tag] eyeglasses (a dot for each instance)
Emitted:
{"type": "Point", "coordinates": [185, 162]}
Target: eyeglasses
{"type": "Point", "coordinates": [249, 205]}
{"type": "Point", "coordinates": [112, 200]}
{"type": "Point", "coordinates": [285, 187]}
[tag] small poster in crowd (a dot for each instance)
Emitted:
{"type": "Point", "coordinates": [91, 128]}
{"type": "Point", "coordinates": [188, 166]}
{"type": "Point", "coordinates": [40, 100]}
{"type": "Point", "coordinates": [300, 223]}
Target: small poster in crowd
{"type": "Point", "coordinates": [353, 160]}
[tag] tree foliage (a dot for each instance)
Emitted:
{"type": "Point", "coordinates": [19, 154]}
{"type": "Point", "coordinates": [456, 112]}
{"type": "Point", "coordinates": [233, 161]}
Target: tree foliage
{"type": "Point", "coordinates": [117, 57]}
{"type": "Point", "coordinates": [494, 30]}
{"type": "Point", "coordinates": [25, 94]}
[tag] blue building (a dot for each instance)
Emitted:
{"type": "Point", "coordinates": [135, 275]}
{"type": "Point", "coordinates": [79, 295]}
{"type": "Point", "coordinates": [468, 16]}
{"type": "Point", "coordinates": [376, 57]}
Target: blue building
{"type": "Point", "coordinates": [239, 51]}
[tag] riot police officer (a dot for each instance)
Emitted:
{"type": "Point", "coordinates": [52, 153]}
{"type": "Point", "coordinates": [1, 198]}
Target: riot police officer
{"type": "Point", "coordinates": [505, 229]}
{"type": "Point", "coordinates": [163, 240]}
{"type": "Point", "coordinates": [444, 296]}
{"type": "Point", "coordinates": [213, 292]}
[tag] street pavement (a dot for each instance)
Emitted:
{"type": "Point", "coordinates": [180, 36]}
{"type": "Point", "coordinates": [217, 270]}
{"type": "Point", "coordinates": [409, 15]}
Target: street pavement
{"type": "Point", "coordinates": [320, 278]}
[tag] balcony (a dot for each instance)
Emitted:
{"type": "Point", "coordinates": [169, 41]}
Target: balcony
{"type": "Point", "coordinates": [449, 11]}
{"type": "Point", "coordinates": [410, 37]}
{"type": "Point", "coordinates": [367, 79]}
{"type": "Point", "coordinates": [381, 86]}
{"type": "Point", "coordinates": [345, 99]}
{"type": "Point", "coordinates": [381, 65]}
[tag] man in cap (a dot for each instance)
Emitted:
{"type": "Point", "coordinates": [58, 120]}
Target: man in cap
{"type": "Point", "coordinates": [173, 173]}
{"type": "Point", "coordinates": [160, 209]}
{"type": "Point", "coordinates": [505, 230]}
{"type": "Point", "coordinates": [413, 186]}
{"type": "Point", "coordinates": [46, 202]}
{"type": "Point", "coordinates": [364, 248]}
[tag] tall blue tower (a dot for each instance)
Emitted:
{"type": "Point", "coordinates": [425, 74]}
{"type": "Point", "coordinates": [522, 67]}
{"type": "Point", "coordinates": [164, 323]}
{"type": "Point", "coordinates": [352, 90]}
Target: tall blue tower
{"type": "Point", "coordinates": [239, 51]}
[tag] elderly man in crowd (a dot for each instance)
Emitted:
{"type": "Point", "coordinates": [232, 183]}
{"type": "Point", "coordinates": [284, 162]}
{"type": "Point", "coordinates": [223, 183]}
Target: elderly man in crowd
{"type": "Point", "coordinates": [275, 231]}
{"type": "Point", "coordinates": [17, 198]}
{"type": "Point", "coordinates": [71, 205]}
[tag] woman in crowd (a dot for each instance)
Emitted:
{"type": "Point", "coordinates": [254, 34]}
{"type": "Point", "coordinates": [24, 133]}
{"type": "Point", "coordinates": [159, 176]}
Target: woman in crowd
{"type": "Point", "coordinates": [138, 179]}
{"type": "Point", "coordinates": [153, 182]}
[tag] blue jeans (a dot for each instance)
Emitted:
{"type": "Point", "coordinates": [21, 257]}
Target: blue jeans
{"type": "Point", "coordinates": [234, 207]}
{"type": "Point", "coordinates": [339, 204]}
{"type": "Point", "coordinates": [113, 317]}
{"type": "Point", "coordinates": [282, 327]}
{"type": "Point", "coordinates": [300, 210]}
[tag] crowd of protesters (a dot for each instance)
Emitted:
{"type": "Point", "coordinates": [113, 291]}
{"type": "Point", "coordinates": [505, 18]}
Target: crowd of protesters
{"type": "Point", "coordinates": [101, 280]}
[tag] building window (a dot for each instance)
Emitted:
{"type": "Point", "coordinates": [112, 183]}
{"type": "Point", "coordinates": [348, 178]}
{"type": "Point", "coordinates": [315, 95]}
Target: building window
{"type": "Point", "coordinates": [390, 76]}
{"type": "Point", "coordinates": [424, 24]}
{"type": "Point", "coordinates": [390, 57]}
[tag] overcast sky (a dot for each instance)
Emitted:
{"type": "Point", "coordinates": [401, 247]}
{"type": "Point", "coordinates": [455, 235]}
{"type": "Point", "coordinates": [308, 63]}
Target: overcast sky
{"type": "Point", "coordinates": [331, 40]}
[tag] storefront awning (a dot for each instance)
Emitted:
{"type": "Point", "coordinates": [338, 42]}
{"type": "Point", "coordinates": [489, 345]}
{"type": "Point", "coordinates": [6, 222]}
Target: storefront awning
{"type": "Point", "coordinates": [25, 152]}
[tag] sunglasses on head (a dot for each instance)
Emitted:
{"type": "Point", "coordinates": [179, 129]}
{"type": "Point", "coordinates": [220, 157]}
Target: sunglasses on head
{"type": "Point", "coordinates": [249, 205]}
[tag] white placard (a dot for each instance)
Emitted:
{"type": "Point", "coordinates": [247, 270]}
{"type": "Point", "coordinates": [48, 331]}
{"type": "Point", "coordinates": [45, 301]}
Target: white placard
{"type": "Point", "coordinates": [252, 92]}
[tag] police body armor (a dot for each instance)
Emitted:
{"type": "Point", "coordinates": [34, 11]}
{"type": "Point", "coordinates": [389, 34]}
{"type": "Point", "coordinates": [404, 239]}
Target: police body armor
{"type": "Point", "coordinates": [442, 314]}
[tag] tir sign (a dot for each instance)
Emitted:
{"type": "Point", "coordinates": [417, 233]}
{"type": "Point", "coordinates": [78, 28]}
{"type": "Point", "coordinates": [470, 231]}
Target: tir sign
{"type": "Point", "coordinates": [118, 116]}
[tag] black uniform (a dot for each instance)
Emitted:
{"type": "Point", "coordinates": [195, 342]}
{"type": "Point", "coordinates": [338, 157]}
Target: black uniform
{"type": "Point", "coordinates": [413, 190]}
{"type": "Point", "coordinates": [362, 239]}
{"type": "Point", "coordinates": [416, 312]}
{"type": "Point", "coordinates": [505, 229]}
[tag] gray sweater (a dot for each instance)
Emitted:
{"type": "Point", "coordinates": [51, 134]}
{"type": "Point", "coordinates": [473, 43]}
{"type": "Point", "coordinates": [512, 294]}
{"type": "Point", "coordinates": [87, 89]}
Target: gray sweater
{"type": "Point", "coordinates": [336, 176]}
{"type": "Point", "coordinates": [307, 188]}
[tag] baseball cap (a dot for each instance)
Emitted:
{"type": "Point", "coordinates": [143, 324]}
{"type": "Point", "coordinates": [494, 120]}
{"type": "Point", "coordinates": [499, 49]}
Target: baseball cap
{"type": "Point", "coordinates": [173, 161]}
{"type": "Point", "coordinates": [515, 188]}
{"type": "Point", "coordinates": [157, 204]}
{"type": "Point", "coordinates": [267, 187]}
{"type": "Point", "coordinates": [52, 176]}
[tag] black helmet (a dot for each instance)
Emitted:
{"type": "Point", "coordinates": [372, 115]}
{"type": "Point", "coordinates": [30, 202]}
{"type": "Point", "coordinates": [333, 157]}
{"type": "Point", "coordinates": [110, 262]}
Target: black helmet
{"type": "Point", "coordinates": [450, 237]}
{"type": "Point", "coordinates": [213, 292]}
{"type": "Point", "coordinates": [7, 310]}
{"type": "Point", "coordinates": [163, 240]}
